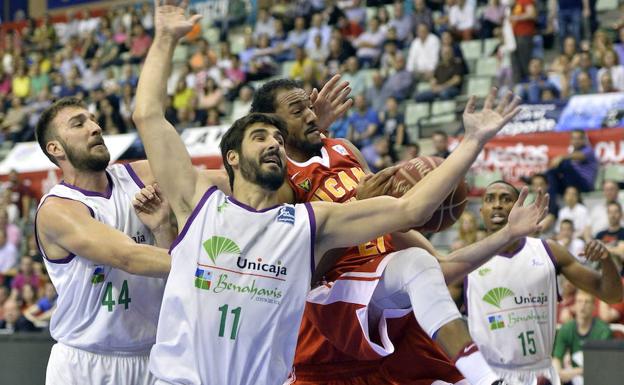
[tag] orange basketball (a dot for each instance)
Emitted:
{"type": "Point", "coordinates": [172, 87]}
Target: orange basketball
{"type": "Point", "coordinates": [452, 207]}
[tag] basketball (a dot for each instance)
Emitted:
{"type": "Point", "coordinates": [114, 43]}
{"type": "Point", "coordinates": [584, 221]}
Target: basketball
{"type": "Point", "coordinates": [452, 207]}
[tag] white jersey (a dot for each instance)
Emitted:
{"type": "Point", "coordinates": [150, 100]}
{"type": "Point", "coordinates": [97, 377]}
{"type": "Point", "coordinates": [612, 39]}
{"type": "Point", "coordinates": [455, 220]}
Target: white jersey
{"type": "Point", "coordinates": [511, 303]}
{"type": "Point", "coordinates": [235, 294]}
{"type": "Point", "coordinates": [101, 309]}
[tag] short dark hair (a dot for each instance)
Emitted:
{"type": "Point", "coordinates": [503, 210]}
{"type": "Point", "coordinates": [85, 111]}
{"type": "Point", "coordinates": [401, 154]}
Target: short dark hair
{"type": "Point", "coordinates": [264, 98]}
{"type": "Point", "coordinates": [568, 221]}
{"type": "Point", "coordinates": [439, 132]}
{"type": "Point", "coordinates": [539, 175]}
{"type": "Point", "coordinates": [581, 131]}
{"type": "Point", "coordinates": [233, 137]}
{"type": "Point", "coordinates": [513, 188]}
{"type": "Point", "coordinates": [615, 203]}
{"type": "Point", "coordinates": [44, 130]}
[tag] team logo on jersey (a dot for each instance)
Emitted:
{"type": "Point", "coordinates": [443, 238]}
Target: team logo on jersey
{"type": "Point", "coordinates": [286, 215]}
{"type": "Point", "coordinates": [531, 299]}
{"type": "Point", "coordinates": [139, 238]}
{"type": "Point", "coordinates": [258, 265]}
{"type": "Point", "coordinates": [305, 185]}
{"type": "Point", "coordinates": [222, 206]}
{"type": "Point", "coordinates": [216, 246]}
{"type": "Point", "coordinates": [98, 275]}
{"type": "Point", "coordinates": [203, 278]}
{"type": "Point", "coordinates": [483, 272]}
{"type": "Point", "coordinates": [340, 149]}
{"type": "Point", "coordinates": [496, 295]}
{"type": "Point", "coordinates": [496, 322]}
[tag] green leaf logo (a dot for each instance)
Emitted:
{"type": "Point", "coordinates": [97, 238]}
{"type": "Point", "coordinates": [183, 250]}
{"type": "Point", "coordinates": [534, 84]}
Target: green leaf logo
{"type": "Point", "coordinates": [496, 295]}
{"type": "Point", "coordinates": [484, 271]}
{"type": "Point", "coordinates": [216, 246]}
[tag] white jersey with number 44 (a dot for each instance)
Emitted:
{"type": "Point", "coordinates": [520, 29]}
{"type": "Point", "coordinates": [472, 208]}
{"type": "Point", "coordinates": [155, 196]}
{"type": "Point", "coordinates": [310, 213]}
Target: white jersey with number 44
{"type": "Point", "coordinates": [235, 294]}
{"type": "Point", "coordinates": [101, 309]}
{"type": "Point", "coordinates": [511, 303]}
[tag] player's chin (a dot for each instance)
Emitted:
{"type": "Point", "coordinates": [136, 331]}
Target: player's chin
{"type": "Point", "coordinates": [314, 137]}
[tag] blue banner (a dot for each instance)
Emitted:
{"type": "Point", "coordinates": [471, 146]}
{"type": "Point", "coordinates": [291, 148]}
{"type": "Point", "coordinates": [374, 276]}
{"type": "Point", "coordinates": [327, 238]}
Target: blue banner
{"type": "Point", "coordinates": [534, 118]}
{"type": "Point", "coordinates": [591, 112]}
{"type": "Point", "coordinates": [67, 3]}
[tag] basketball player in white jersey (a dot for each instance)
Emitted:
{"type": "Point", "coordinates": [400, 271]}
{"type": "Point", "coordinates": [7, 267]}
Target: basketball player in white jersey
{"type": "Point", "coordinates": [99, 255]}
{"type": "Point", "coordinates": [242, 264]}
{"type": "Point", "coordinates": [511, 299]}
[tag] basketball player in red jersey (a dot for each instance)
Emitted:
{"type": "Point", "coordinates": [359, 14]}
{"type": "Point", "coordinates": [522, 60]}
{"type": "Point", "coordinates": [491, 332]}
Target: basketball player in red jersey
{"type": "Point", "coordinates": [346, 353]}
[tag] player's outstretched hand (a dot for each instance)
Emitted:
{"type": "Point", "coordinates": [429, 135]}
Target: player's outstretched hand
{"type": "Point", "coordinates": [152, 208]}
{"type": "Point", "coordinates": [483, 125]}
{"type": "Point", "coordinates": [170, 19]}
{"type": "Point", "coordinates": [524, 220]}
{"type": "Point", "coordinates": [595, 250]}
{"type": "Point", "coordinates": [373, 185]}
{"type": "Point", "coordinates": [331, 103]}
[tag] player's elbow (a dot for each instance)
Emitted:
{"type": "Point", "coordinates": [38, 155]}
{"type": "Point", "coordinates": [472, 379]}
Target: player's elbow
{"type": "Point", "coordinates": [143, 115]}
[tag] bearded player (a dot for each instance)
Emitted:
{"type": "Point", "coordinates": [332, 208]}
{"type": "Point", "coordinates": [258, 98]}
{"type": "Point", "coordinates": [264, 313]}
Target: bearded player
{"type": "Point", "coordinates": [329, 170]}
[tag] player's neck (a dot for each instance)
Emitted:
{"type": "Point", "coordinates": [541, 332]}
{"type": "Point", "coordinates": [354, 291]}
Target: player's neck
{"type": "Point", "coordinates": [87, 180]}
{"type": "Point", "coordinates": [511, 247]}
{"type": "Point", "coordinates": [583, 325]}
{"type": "Point", "coordinates": [254, 196]}
{"type": "Point", "coordinates": [614, 229]}
{"type": "Point", "coordinates": [300, 155]}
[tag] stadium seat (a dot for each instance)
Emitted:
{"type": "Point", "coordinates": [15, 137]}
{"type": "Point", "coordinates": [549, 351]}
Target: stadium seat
{"type": "Point", "coordinates": [614, 172]}
{"type": "Point", "coordinates": [484, 178]}
{"type": "Point", "coordinates": [181, 53]}
{"type": "Point", "coordinates": [471, 49]}
{"type": "Point", "coordinates": [443, 107]}
{"type": "Point", "coordinates": [368, 76]}
{"type": "Point", "coordinates": [423, 86]}
{"type": "Point", "coordinates": [212, 35]}
{"type": "Point", "coordinates": [606, 5]}
{"type": "Point", "coordinates": [414, 112]}
{"type": "Point", "coordinates": [487, 66]}
{"type": "Point", "coordinates": [237, 43]}
{"type": "Point", "coordinates": [479, 86]}
{"type": "Point", "coordinates": [489, 45]}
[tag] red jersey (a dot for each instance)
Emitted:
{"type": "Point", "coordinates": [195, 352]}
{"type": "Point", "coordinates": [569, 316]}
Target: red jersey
{"type": "Point", "coordinates": [333, 177]}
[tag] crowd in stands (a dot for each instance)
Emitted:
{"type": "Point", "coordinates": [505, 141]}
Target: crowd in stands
{"type": "Point", "coordinates": [391, 52]}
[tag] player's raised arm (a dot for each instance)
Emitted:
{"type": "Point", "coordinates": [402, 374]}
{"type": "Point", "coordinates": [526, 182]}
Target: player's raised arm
{"type": "Point", "coordinates": [66, 227]}
{"type": "Point", "coordinates": [350, 224]}
{"type": "Point", "coordinates": [166, 153]}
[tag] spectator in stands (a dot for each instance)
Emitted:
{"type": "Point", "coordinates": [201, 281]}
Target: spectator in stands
{"type": "Point", "coordinates": [586, 66]}
{"type": "Point", "coordinates": [605, 83]}
{"type": "Point", "coordinates": [319, 53]}
{"type": "Point", "coordinates": [574, 210]}
{"type": "Point", "coordinates": [611, 65]}
{"type": "Point", "coordinates": [584, 84]}
{"type": "Point", "coordinates": [440, 144]}
{"type": "Point", "coordinates": [211, 97]}
{"type": "Point", "coordinates": [363, 123]}
{"type": "Point", "coordinates": [15, 120]}
{"type": "Point", "coordinates": [378, 154]}
{"type": "Point", "coordinates": [467, 228]}
{"type": "Point", "coordinates": [387, 62]}
{"type": "Point", "coordinates": [492, 18]}
{"type": "Point", "coordinates": [462, 19]}
{"type": "Point", "coordinates": [566, 238]}
{"type": "Point", "coordinates": [392, 126]}
{"type": "Point", "coordinates": [40, 313]}
{"type": "Point", "coordinates": [399, 84]}
{"type": "Point", "coordinates": [374, 92]}
{"type": "Point", "coordinates": [38, 80]}
{"type": "Point", "coordinates": [613, 235]}
{"type": "Point", "coordinates": [355, 77]}
{"type": "Point", "coordinates": [369, 44]}
{"type": "Point", "coordinates": [318, 27]}
{"type": "Point", "coordinates": [422, 14]}
{"type": "Point", "coordinates": [110, 119]}
{"type": "Point", "coordinates": [610, 193]}
{"type": "Point", "coordinates": [139, 44]}
{"type": "Point", "coordinates": [93, 76]}
{"type": "Point", "coordinates": [26, 296]}
{"type": "Point", "coordinates": [264, 24]}
{"type": "Point", "coordinates": [303, 67]}
{"type": "Point", "coordinates": [423, 53]}
{"type": "Point", "coordinates": [531, 89]}
{"type": "Point", "coordinates": [203, 57]}
{"type": "Point", "coordinates": [21, 83]}
{"type": "Point", "coordinates": [8, 253]}
{"type": "Point", "coordinates": [401, 21]}
{"type": "Point", "coordinates": [26, 275]}
{"type": "Point", "coordinates": [601, 44]}
{"type": "Point", "coordinates": [356, 12]}
{"type": "Point", "coordinates": [523, 17]}
{"type": "Point", "coordinates": [336, 58]}
{"type": "Point", "coordinates": [570, 15]}
{"type": "Point", "coordinates": [578, 168]}
{"type": "Point", "coordinates": [409, 152]}
{"type": "Point", "coordinates": [183, 99]}
{"type": "Point", "coordinates": [14, 321]}
{"type": "Point", "coordinates": [298, 36]}
{"type": "Point", "coordinates": [447, 78]}
{"type": "Point", "coordinates": [573, 334]}
{"type": "Point", "coordinates": [540, 182]}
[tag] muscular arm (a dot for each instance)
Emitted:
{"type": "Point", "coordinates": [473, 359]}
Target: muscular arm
{"type": "Point", "coordinates": [605, 285]}
{"type": "Point", "coordinates": [65, 226]}
{"type": "Point", "coordinates": [166, 153]}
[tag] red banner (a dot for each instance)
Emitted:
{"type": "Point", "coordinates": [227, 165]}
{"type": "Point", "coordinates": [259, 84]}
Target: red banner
{"type": "Point", "coordinates": [524, 155]}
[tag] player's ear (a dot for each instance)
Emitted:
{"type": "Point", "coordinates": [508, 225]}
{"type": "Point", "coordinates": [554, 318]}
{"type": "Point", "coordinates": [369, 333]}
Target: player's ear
{"type": "Point", "coordinates": [232, 158]}
{"type": "Point", "coordinates": [55, 149]}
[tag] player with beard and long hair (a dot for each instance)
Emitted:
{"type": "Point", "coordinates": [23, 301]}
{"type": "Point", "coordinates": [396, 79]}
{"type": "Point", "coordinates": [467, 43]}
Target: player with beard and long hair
{"type": "Point", "coordinates": [368, 284]}
{"type": "Point", "coordinates": [99, 254]}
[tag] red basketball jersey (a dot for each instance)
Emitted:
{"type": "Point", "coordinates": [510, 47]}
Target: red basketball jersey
{"type": "Point", "coordinates": [333, 177]}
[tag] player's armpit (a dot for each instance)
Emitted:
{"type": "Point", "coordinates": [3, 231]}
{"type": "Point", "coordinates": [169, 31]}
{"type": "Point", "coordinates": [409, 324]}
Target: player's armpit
{"type": "Point", "coordinates": [209, 178]}
{"type": "Point", "coordinates": [66, 227]}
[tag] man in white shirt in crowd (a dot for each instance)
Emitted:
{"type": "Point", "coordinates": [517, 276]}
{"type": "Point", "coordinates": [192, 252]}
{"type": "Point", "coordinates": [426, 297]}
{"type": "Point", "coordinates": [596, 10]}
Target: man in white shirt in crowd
{"type": "Point", "coordinates": [423, 53]}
